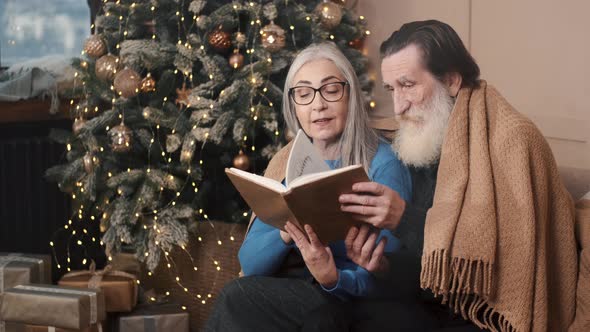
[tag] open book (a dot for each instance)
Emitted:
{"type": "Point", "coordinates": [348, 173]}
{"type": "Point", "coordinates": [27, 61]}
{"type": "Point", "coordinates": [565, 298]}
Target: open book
{"type": "Point", "coordinates": [311, 194]}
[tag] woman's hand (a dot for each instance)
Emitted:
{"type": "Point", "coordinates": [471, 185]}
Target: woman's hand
{"type": "Point", "coordinates": [318, 258]}
{"type": "Point", "coordinates": [286, 237]}
{"type": "Point", "coordinates": [375, 204]}
{"type": "Point", "coordinates": [362, 249]}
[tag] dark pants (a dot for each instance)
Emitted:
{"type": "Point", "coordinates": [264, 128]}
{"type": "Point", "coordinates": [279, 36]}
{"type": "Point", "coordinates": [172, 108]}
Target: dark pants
{"type": "Point", "coordinates": [390, 315]}
{"type": "Point", "coordinates": [287, 304]}
{"type": "Point", "coordinates": [272, 304]}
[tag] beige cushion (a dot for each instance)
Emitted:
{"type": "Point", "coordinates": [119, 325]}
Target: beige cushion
{"type": "Point", "coordinates": [583, 223]}
{"type": "Point", "coordinates": [582, 319]}
{"type": "Point", "coordinates": [576, 180]}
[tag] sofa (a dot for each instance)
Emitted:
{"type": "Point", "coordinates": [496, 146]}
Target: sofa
{"type": "Point", "coordinates": [208, 255]}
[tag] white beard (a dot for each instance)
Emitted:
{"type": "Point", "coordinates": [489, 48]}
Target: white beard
{"type": "Point", "coordinates": [419, 140]}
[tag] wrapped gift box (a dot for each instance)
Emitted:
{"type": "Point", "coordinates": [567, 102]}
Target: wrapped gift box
{"type": "Point", "coordinates": [16, 327]}
{"type": "Point", "coordinates": [20, 269]}
{"type": "Point", "coordinates": [154, 318]}
{"type": "Point", "coordinates": [48, 305]}
{"type": "Point", "coordinates": [120, 288]}
{"type": "Point", "coordinates": [126, 262]}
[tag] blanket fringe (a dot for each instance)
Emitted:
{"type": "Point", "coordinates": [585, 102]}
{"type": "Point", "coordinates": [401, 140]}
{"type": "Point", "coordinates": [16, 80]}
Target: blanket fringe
{"type": "Point", "coordinates": [464, 285]}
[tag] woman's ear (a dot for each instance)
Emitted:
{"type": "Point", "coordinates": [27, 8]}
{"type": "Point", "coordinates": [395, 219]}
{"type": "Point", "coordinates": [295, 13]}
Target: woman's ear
{"type": "Point", "coordinates": [453, 82]}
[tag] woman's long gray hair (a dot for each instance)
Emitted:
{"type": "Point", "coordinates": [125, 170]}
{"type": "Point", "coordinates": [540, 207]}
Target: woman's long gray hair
{"type": "Point", "coordinates": [358, 142]}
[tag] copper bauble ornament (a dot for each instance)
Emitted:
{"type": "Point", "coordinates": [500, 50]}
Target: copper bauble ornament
{"type": "Point", "coordinates": [150, 26]}
{"type": "Point", "coordinates": [357, 43]}
{"type": "Point", "coordinates": [350, 4]}
{"type": "Point", "coordinates": [95, 47]}
{"type": "Point", "coordinates": [236, 60]}
{"type": "Point", "coordinates": [219, 40]}
{"type": "Point", "coordinates": [241, 161]}
{"type": "Point", "coordinates": [89, 162]}
{"type": "Point", "coordinates": [148, 84]}
{"type": "Point", "coordinates": [77, 125]}
{"type": "Point", "coordinates": [330, 14]}
{"type": "Point", "coordinates": [120, 138]}
{"type": "Point", "coordinates": [106, 67]}
{"type": "Point", "coordinates": [273, 37]}
{"type": "Point", "coordinates": [127, 82]}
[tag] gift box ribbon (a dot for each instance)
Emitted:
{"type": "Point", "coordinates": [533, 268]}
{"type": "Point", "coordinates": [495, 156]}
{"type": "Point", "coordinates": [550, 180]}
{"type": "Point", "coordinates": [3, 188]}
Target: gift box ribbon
{"type": "Point", "coordinates": [96, 276]}
{"type": "Point", "coordinates": [149, 324]}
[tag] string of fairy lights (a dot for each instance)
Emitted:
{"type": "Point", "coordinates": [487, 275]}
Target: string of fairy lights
{"type": "Point", "coordinates": [258, 95]}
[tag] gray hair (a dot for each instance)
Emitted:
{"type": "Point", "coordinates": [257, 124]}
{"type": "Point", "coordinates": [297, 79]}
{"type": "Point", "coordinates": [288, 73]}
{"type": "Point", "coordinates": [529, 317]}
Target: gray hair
{"type": "Point", "coordinates": [358, 142]}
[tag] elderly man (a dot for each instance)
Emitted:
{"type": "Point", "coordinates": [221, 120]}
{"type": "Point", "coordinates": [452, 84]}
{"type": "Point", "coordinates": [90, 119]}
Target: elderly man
{"type": "Point", "coordinates": [490, 228]}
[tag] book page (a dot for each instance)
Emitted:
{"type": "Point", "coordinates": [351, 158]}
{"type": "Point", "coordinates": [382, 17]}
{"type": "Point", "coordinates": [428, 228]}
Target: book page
{"type": "Point", "coordinates": [303, 159]}
{"type": "Point", "coordinates": [304, 179]}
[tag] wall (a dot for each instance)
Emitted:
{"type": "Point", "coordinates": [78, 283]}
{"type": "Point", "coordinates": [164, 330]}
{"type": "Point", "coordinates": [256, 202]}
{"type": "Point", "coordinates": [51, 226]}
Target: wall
{"type": "Point", "coordinates": [533, 51]}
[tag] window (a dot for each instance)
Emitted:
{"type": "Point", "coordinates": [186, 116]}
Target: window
{"type": "Point", "coordinates": [35, 28]}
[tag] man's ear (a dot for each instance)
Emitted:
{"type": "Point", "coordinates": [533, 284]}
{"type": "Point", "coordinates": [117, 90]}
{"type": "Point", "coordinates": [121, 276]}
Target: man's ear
{"type": "Point", "coordinates": [453, 82]}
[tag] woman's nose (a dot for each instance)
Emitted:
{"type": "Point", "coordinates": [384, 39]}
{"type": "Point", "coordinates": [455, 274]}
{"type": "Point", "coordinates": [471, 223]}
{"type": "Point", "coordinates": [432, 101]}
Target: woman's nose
{"type": "Point", "coordinates": [318, 102]}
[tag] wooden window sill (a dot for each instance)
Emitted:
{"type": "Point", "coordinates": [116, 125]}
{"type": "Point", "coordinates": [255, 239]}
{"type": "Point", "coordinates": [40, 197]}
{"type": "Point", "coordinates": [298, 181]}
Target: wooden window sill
{"type": "Point", "coordinates": [31, 110]}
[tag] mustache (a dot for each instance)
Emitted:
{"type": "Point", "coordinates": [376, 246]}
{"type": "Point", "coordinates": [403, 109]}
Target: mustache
{"type": "Point", "coordinates": [410, 116]}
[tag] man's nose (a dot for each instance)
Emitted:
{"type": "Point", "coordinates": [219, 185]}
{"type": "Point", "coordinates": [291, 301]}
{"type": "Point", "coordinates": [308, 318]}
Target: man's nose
{"type": "Point", "coordinates": [400, 104]}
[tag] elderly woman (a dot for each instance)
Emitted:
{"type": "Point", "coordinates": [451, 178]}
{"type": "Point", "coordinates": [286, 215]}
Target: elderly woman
{"type": "Point", "coordinates": [288, 275]}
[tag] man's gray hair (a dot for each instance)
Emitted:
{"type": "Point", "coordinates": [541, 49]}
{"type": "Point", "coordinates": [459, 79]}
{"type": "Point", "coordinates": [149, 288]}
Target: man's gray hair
{"type": "Point", "coordinates": [358, 142]}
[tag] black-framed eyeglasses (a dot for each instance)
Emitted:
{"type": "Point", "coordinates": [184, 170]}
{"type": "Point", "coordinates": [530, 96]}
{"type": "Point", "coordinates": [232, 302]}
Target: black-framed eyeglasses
{"type": "Point", "coordinates": [304, 95]}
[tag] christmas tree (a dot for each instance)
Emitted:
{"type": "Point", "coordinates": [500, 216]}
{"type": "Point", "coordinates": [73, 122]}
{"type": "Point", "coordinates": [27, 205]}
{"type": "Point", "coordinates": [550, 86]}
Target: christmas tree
{"type": "Point", "coordinates": [174, 91]}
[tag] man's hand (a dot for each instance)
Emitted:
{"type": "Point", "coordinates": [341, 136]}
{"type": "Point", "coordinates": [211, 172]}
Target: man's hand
{"type": "Point", "coordinates": [318, 258]}
{"type": "Point", "coordinates": [375, 204]}
{"type": "Point", "coordinates": [362, 249]}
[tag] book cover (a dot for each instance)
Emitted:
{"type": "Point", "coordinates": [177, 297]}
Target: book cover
{"type": "Point", "coordinates": [311, 194]}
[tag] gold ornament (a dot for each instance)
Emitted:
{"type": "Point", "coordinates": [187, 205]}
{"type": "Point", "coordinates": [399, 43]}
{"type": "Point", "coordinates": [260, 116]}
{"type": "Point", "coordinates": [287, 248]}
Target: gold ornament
{"type": "Point", "coordinates": [240, 38]}
{"type": "Point", "coordinates": [89, 162]}
{"type": "Point", "coordinates": [106, 67]}
{"type": "Point", "coordinates": [219, 40]}
{"type": "Point", "coordinates": [148, 84]}
{"type": "Point", "coordinates": [127, 83]}
{"type": "Point", "coordinates": [330, 14]}
{"type": "Point", "coordinates": [273, 37]}
{"type": "Point", "coordinates": [95, 47]}
{"type": "Point", "coordinates": [77, 126]}
{"type": "Point", "coordinates": [104, 223]}
{"type": "Point", "coordinates": [186, 156]}
{"type": "Point", "coordinates": [241, 161]}
{"type": "Point", "coordinates": [182, 95]}
{"type": "Point", "coordinates": [236, 60]}
{"type": "Point", "coordinates": [120, 138]}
